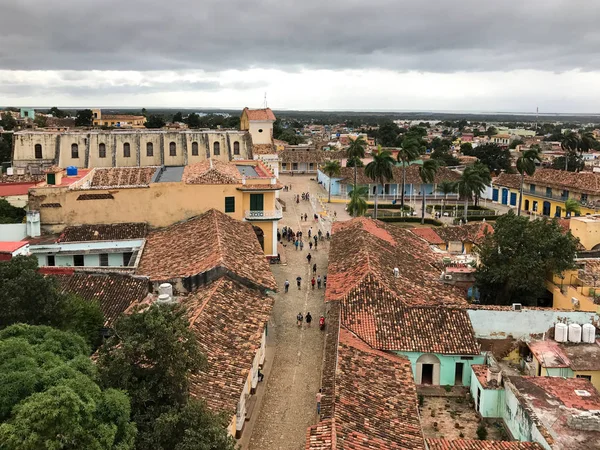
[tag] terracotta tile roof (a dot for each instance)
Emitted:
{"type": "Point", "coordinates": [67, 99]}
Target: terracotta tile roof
{"type": "Point", "coordinates": [384, 323]}
{"type": "Point", "coordinates": [123, 176]}
{"type": "Point", "coordinates": [259, 114]}
{"type": "Point", "coordinates": [412, 175]}
{"type": "Point", "coordinates": [95, 197]}
{"type": "Point", "coordinates": [208, 241]}
{"type": "Point", "coordinates": [228, 319]}
{"type": "Point", "coordinates": [590, 274]}
{"type": "Point", "coordinates": [211, 172]}
{"type": "Point", "coordinates": [429, 235]}
{"type": "Point", "coordinates": [362, 258]}
{"type": "Point", "coordinates": [471, 444]}
{"type": "Point", "coordinates": [263, 149]}
{"type": "Point", "coordinates": [261, 187]}
{"type": "Point", "coordinates": [114, 292]}
{"type": "Point", "coordinates": [470, 232]}
{"type": "Point", "coordinates": [375, 399]}
{"type": "Point", "coordinates": [586, 182]}
{"type": "Point", "coordinates": [320, 436]}
{"type": "Point", "coordinates": [24, 178]}
{"type": "Point", "coordinates": [104, 232]}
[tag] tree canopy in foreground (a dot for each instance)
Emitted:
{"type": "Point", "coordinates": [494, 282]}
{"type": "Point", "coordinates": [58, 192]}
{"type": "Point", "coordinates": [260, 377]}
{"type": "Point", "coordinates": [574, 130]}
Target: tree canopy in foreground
{"type": "Point", "coordinates": [517, 257]}
{"type": "Point", "coordinates": [49, 396]}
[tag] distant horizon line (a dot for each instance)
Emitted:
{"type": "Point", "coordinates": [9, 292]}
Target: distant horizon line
{"type": "Point", "coordinates": [370, 111]}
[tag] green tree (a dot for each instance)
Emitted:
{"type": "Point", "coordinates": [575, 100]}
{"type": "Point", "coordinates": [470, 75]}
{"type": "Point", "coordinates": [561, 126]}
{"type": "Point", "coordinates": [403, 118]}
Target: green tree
{"type": "Point", "coordinates": [332, 169]}
{"type": "Point", "coordinates": [10, 213]}
{"type": "Point", "coordinates": [154, 122]}
{"type": "Point", "coordinates": [572, 206]}
{"type": "Point", "coordinates": [49, 396]}
{"type": "Point", "coordinates": [587, 142]}
{"type": "Point", "coordinates": [470, 183]}
{"type": "Point", "coordinates": [517, 257]}
{"type": "Point", "coordinates": [83, 118]}
{"type": "Point", "coordinates": [58, 113]}
{"type": "Point", "coordinates": [29, 297]}
{"type": "Point", "coordinates": [485, 176]}
{"type": "Point", "coordinates": [491, 131]}
{"type": "Point", "coordinates": [41, 121]}
{"type": "Point", "coordinates": [355, 152]}
{"type": "Point", "coordinates": [573, 162]}
{"type": "Point", "coordinates": [8, 122]}
{"type": "Point", "coordinates": [570, 144]}
{"type": "Point", "coordinates": [526, 166]}
{"type": "Point", "coordinates": [427, 173]}
{"type": "Point", "coordinates": [412, 147]}
{"type": "Point", "coordinates": [139, 358]}
{"type": "Point", "coordinates": [380, 169]}
{"type": "Point", "coordinates": [497, 159]}
{"type": "Point", "coordinates": [357, 206]}
{"type": "Point", "coordinates": [388, 134]}
{"type": "Point", "coordinates": [515, 143]}
{"type": "Point", "coordinates": [5, 147]}
{"type": "Point", "coordinates": [193, 120]}
{"type": "Point", "coordinates": [446, 187]}
{"type": "Point", "coordinates": [466, 148]}
{"type": "Point", "coordinates": [178, 117]}
{"type": "Point", "coordinates": [291, 137]}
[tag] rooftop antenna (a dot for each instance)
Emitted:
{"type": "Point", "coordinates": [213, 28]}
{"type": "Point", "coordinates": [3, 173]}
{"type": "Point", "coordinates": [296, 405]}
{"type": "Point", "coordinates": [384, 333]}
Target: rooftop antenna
{"type": "Point", "coordinates": [265, 102]}
{"type": "Point", "coordinates": [537, 111]}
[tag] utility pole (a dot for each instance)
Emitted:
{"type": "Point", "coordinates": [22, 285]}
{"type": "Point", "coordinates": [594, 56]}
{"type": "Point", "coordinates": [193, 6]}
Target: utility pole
{"type": "Point", "coordinates": [265, 102]}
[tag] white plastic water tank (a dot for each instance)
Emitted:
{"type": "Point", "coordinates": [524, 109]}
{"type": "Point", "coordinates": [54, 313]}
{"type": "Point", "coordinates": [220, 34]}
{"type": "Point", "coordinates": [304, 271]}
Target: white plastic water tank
{"type": "Point", "coordinates": [574, 332]}
{"type": "Point", "coordinates": [166, 288]}
{"type": "Point", "coordinates": [164, 299]}
{"type": "Point", "coordinates": [560, 332]}
{"type": "Point", "coordinates": [589, 333]}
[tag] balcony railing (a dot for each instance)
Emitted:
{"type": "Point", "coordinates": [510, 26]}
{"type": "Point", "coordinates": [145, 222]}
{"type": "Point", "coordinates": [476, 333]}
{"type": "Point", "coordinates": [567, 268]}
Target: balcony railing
{"type": "Point", "coordinates": [264, 214]}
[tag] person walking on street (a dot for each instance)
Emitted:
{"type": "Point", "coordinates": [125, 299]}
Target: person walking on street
{"type": "Point", "coordinates": [310, 232]}
{"type": "Point", "coordinates": [316, 244]}
{"type": "Point", "coordinates": [296, 244]}
{"type": "Point", "coordinates": [301, 245]}
{"type": "Point", "coordinates": [298, 281]}
{"type": "Point", "coordinates": [313, 282]}
{"type": "Point", "coordinates": [319, 398]}
{"type": "Point", "coordinates": [287, 285]}
{"type": "Point", "coordinates": [314, 268]}
{"type": "Point", "coordinates": [299, 319]}
{"type": "Point", "coordinates": [318, 282]}
{"type": "Point", "coordinates": [308, 257]}
{"type": "Point", "coordinates": [308, 319]}
{"type": "Point", "coordinates": [310, 244]}
{"type": "Point", "coordinates": [324, 281]}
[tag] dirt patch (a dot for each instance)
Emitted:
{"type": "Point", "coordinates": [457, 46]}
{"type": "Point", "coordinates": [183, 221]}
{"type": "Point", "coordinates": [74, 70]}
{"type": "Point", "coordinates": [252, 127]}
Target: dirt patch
{"type": "Point", "coordinates": [454, 418]}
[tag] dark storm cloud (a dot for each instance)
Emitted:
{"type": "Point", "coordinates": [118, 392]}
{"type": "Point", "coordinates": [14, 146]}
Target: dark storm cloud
{"type": "Point", "coordinates": [213, 35]}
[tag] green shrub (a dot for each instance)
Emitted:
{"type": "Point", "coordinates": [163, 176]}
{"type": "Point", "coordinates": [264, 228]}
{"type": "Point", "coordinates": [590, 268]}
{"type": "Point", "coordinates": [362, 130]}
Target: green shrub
{"type": "Point", "coordinates": [482, 432]}
{"type": "Point", "coordinates": [388, 206]}
{"type": "Point", "coordinates": [448, 388]}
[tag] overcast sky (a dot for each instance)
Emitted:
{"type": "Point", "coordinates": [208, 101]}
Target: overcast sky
{"type": "Point", "coordinates": [476, 55]}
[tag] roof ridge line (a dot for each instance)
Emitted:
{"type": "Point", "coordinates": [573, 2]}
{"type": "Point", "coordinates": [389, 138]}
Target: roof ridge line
{"type": "Point", "coordinates": [218, 233]}
{"type": "Point", "coordinates": [205, 302]}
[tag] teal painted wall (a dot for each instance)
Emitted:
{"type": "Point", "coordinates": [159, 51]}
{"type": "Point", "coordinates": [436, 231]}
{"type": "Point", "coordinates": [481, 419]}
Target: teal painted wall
{"type": "Point", "coordinates": [447, 366]}
{"type": "Point", "coordinates": [519, 422]}
{"type": "Point", "coordinates": [565, 372]}
{"type": "Point", "coordinates": [492, 401]}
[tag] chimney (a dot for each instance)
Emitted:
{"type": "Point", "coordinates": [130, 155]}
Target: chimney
{"type": "Point", "coordinates": [33, 226]}
{"type": "Point", "coordinates": [494, 375]}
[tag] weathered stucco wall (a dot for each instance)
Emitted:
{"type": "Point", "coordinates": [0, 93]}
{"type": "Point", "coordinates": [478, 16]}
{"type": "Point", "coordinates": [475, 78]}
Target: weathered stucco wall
{"type": "Point", "coordinates": [447, 367]}
{"type": "Point", "coordinates": [57, 146]}
{"type": "Point", "coordinates": [494, 324]}
{"type": "Point", "coordinates": [519, 422]}
{"type": "Point", "coordinates": [491, 403]}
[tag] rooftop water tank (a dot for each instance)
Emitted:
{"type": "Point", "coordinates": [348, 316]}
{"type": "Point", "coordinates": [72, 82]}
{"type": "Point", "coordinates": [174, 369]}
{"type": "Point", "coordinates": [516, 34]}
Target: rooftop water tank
{"type": "Point", "coordinates": [560, 332]}
{"type": "Point", "coordinates": [164, 299]}
{"type": "Point", "coordinates": [71, 171]}
{"type": "Point", "coordinates": [166, 288]}
{"type": "Point", "coordinates": [589, 333]}
{"type": "Point", "coordinates": [574, 332]}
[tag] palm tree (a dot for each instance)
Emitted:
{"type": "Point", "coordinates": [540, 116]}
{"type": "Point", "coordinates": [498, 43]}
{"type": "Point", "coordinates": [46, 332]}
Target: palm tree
{"type": "Point", "coordinates": [427, 174]}
{"type": "Point", "coordinates": [471, 182]}
{"type": "Point", "coordinates": [586, 141]}
{"type": "Point", "coordinates": [356, 151]}
{"type": "Point", "coordinates": [570, 144]}
{"type": "Point", "coordinates": [331, 168]}
{"type": "Point", "coordinates": [357, 206]}
{"type": "Point", "coordinates": [411, 149]}
{"type": "Point", "coordinates": [486, 177]}
{"type": "Point", "coordinates": [380, 169]}
{"type": "Point", "coordinates": [572, 207]}
{"type": "Point", "coordinates": [526, 165]}
{"type": "Point", "coordinates": [446, 187]}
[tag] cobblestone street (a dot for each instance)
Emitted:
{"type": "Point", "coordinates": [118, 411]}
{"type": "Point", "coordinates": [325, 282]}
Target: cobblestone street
{"type": "Point", "coordinates": [288, 407]}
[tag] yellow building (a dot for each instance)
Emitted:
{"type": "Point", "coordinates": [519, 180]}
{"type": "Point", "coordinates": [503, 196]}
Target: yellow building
{"type": "Point", "coordinates": [117, 120]}
{"type": "Point", "coordinates": [546, 191]}
{"type": "Point", "coordinates": [568, 360]}
{"type": "Point", "coordinates": [161, 196]}
{"type": "Point", "coordinates": [579, 289]}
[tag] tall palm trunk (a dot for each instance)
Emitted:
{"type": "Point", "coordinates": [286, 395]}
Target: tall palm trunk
{"type": "Point", "coordinates": [376, 195]}
{"type": "Point", "coordinates": [403, 187]}
{"type": "Point", "coordinates": [444, 204]}
{"type": "Point", "coordinates": [466, 207]}
{"type": "Point", "coordinates": [354, 172]}
{"type": "Point", "coordinates": [521, 193]}
{"type": "Point", "coordinates": [329, 197]}
{"type": "Point", "coordinates": [566, 161]}
{"type": "Point", "coordinates": [423, 204]}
